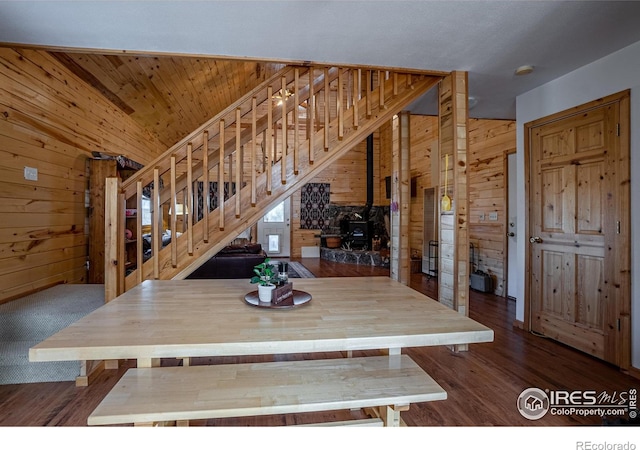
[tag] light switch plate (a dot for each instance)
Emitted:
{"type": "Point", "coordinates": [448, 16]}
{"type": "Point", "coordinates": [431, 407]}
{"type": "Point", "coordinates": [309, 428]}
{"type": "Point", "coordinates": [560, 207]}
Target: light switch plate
{"type": "Point", "coordinates": [30, 173]}
{"type": "Point", "coordinates": [493, 216]}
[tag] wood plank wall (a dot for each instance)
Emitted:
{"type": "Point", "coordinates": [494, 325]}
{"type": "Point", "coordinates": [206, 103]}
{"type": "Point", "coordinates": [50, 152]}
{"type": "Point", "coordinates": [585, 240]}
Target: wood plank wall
{"type": "Point", "coordinates": [52, 121]}
{"type": "Point", "coordinates": [424, 143]}
{"type": "Point", "coordinates": [489, 143]}
{"type": "Point", "coordinates": [348, 180]}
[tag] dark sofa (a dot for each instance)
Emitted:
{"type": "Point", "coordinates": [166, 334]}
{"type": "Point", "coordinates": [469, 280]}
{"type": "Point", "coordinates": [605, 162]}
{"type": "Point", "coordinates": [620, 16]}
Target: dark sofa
{"type": "Point", "coordinates": [233, 261]}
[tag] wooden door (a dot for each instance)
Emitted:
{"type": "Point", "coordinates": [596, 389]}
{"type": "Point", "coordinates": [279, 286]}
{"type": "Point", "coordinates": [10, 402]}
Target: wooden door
{"type": "Point", "coordinates": [274, 231]}
{"type": "Point", "coordinates": [577, 191]}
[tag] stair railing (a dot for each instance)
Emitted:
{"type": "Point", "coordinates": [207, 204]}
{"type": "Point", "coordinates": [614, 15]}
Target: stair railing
{"type": "Point", "coordinates": [216, 182]}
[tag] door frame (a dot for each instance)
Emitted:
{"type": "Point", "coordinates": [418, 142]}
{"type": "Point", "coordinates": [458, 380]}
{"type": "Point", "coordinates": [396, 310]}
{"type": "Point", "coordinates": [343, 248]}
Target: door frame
{"type": "Point", "coordinates": [622, 240]}
{"type": "Point", "coordinates": [505, 237]}
{"type": "Point", "coordinates": [286, 236]}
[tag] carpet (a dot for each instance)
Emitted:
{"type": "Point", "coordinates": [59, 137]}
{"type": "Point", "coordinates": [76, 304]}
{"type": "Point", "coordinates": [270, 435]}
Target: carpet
{"type": "Point", "coordinates": [29, 320]}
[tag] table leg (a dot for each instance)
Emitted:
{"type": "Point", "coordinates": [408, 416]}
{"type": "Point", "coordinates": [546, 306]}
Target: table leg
{"type": "Point", "coordinates": [148, 362]}
{"type": "Point", "coordinates": [392, 351]}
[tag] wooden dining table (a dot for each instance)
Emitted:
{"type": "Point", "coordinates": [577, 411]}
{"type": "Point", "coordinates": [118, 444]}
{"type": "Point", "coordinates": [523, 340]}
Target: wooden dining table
{"type": "Point", "coordinates": [206, 318]}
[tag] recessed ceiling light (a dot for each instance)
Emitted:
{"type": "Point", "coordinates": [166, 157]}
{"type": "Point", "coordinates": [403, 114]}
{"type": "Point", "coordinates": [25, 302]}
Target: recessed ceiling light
{"type": "Point", "coordinates": [524, 70]}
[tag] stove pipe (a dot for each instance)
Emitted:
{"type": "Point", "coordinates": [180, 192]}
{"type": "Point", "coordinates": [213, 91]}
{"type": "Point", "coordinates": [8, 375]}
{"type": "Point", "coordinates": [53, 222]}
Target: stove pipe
{"type": "Point", "coordinates": [369, 203]}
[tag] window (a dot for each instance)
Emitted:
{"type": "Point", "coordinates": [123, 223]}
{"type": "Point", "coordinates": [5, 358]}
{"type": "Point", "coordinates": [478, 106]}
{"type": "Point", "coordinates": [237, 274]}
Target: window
{"type": "Point", "coordinates": [146, 211]}
{"type": "Point", "coordinates": [275, 215]}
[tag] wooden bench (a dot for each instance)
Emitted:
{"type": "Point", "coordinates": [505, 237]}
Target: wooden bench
{"type": "Point", "coordinates": [151, 396]}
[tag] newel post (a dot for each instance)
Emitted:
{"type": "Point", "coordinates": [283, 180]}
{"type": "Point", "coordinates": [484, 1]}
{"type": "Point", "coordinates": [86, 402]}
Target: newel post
{"type": "Point", "coordinates": [114, 240]}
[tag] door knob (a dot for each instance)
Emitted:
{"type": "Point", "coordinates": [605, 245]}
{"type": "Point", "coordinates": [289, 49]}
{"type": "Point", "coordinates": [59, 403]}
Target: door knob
{"type": "Point", "coordinates": [511, 234]}
{"type": "Point", "coordinates": [535, 240]}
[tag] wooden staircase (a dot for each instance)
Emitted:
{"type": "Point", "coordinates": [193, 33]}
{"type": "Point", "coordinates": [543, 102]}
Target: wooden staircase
{"type": "Point", "coordinates": [260, 150]}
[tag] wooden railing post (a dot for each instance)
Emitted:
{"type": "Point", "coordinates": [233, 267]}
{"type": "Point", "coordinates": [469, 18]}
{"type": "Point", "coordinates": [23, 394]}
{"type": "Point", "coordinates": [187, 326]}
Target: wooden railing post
{"type": "Point", "coordinates": [113, 214]}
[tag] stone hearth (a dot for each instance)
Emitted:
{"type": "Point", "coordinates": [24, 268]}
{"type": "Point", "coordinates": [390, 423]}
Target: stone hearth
{"type": "Point", "coordinates": [369, 258]}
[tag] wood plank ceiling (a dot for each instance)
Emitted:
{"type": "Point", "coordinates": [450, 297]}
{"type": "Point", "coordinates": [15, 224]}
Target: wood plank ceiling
{"type": "Point", "coordinates": [169, 96]}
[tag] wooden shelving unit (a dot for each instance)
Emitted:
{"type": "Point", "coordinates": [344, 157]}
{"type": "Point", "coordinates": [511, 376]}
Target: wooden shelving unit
{"type": "Point", "coordinates": [100, 169]}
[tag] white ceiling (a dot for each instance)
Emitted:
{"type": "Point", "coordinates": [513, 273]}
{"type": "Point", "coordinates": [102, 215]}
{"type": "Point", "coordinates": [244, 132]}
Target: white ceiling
{"type": "Point", "coordinates": [489, 39]}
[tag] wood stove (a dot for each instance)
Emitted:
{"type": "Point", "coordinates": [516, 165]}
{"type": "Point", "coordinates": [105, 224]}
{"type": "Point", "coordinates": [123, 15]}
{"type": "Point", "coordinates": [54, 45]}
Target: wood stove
{"type": "Point", "coordinates": [359, 233]}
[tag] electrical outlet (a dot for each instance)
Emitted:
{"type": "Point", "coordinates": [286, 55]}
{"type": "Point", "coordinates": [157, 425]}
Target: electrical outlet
{"type": "Point", "coordinates": [481, 216]}
{"type": "Point", "coordinates": [30, 173]}
{"type": "Point", "coordinates": [493, 216]}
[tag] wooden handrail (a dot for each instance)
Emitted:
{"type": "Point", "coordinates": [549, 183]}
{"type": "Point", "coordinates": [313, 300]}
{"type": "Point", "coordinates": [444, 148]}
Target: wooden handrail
{"type": "Point", "coordinates": [252, 137]}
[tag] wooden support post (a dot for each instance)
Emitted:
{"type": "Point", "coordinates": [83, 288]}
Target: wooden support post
{"type": "Point", "coordinates": [405, 196]}
{"type": "Point", "coordinates": [112, 217]}
{"type": "Point", "coordinates": [453, 261]}
{"type": "Point", "coordinates": [401, 200]}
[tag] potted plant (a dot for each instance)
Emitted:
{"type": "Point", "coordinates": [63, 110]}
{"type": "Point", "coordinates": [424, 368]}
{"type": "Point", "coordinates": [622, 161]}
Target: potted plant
{"type": "Point", "coordinates": [265, 276]}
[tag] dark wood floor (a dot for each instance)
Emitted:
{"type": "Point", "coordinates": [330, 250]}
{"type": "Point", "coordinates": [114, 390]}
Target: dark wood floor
{"type": "Point", "coordinates": [483, 384]}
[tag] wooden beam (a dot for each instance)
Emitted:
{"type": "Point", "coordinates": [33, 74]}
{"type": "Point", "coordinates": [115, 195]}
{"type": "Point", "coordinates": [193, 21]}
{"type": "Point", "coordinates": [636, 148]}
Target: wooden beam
{"type": "Point", "coordinates": [453, 259]}
{"type": "Point", "coordinates": [112, 244]}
